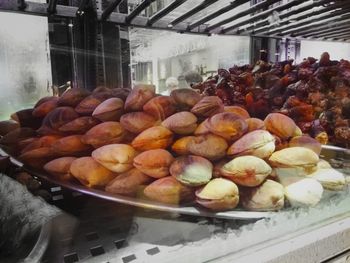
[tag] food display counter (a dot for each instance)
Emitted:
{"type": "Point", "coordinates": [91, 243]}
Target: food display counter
{"type": "Point", "coordinates": [107, 157]}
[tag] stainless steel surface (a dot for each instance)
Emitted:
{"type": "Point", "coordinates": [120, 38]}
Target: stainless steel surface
{"type": "Point", "coordinates": [117, 233]}
{"type": "Point", "coordinates": [188, 210]}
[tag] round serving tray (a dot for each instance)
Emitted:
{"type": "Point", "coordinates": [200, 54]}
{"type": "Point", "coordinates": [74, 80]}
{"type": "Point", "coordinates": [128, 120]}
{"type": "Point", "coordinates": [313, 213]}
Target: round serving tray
{"type": "Point", "coordinates": [328, 152]}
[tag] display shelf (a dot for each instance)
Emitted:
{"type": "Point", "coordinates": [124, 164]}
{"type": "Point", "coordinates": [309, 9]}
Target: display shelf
{"type": "Point", "coordinates": [189, 209]}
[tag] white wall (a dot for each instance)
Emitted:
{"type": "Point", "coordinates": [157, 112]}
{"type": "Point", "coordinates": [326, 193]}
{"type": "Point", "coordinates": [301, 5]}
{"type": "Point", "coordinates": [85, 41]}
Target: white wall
{"type": "Point", "coordinates": [314, 49]}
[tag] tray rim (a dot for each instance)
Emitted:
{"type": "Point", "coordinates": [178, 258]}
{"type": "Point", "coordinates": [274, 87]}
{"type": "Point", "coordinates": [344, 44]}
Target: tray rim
{"type": "Point", "coordinates": [147, 204]}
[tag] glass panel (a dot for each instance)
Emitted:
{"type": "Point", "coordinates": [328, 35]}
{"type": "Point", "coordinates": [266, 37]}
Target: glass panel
{"type": "Point", "coordinates": [25, 69]}
{"type": "Point", "coordinates": [157, 55]}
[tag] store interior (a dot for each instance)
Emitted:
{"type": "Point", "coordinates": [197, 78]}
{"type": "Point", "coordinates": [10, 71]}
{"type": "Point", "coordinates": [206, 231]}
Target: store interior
{"type": "Point", "coordinates": [100, 52]}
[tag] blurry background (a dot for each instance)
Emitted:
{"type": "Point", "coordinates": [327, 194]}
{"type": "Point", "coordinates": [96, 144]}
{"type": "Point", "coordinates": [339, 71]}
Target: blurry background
{"type": "Point", "coordinates": [25, 67]}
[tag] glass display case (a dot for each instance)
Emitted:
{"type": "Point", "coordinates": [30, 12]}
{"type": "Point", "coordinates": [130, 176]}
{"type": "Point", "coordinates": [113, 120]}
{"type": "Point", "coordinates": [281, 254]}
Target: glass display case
{"type": "Point", "coordinates": [174, 131]}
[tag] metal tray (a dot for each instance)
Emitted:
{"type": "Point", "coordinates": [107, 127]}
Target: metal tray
{"type": "Point", "coordinates": [328, 152]}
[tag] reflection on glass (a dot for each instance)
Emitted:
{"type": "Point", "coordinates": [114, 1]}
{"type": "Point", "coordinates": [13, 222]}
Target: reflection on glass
{"type": "Point", "coordinates": [25, 72]}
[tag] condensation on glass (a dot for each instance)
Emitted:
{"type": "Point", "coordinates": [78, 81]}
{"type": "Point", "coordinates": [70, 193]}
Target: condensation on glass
{"type": "Point", "coordinates": [25, 68]}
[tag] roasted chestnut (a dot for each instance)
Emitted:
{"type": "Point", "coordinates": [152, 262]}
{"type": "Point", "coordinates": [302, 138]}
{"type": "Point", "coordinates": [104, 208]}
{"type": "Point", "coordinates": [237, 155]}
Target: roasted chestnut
{"type": "Point", "coordinates": [192, 170]}
{"type": "Point", "coordinates": [181, 123]}
{"type": "Point", "coordinates": [209, 146]}
{"type": "Point", "coordinates": [157, 137]}
{"type": "Point", "coordinates": [219, 194]}
{"type": "Point", "coordinates": [115, 157]}
{"type": "Point", "coordinates": [247, 170]}
{"type": "Point", "coordinates": [154, 163]}
{"type": "Point", "coordinates": [169, 190]}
